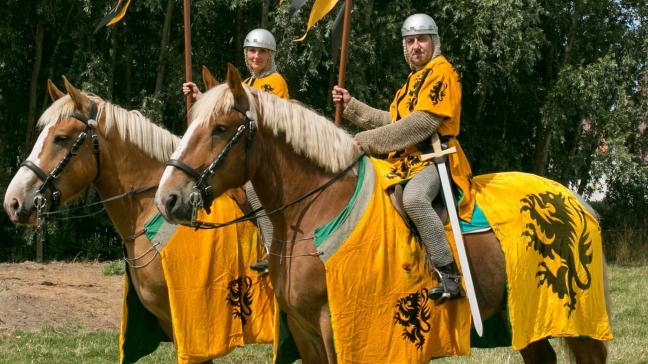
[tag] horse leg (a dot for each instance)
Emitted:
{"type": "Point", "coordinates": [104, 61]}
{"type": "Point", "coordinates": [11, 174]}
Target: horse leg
{"type": "Point", "coordinates": [327, 333]}
{"type": "Point", "coordinates": [167, 327]}
{"type": "Point", "coordinates": [587, 350]}
{"type": "Point", "coordinates": [309, 344]}
{"type": "Point", "coordinates": [539, 352]}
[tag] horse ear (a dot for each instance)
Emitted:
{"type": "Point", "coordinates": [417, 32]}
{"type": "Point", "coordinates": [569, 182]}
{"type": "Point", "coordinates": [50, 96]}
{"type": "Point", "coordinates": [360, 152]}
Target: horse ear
{"type": "Point", "coordinates": [54, 92]}
{"type": "Point", "coordinates": [236, 85]}
{"type": "Point", "coordinates": [208, 78]}
{"type": "Point", "coordinates": [80, 100]}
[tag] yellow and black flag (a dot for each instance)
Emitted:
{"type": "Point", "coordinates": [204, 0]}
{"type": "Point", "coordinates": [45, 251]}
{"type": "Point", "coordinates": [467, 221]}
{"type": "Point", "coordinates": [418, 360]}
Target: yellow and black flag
{"type": "Point", "coordinates": [319, 10]}
{"type": "Point", "coordinates": [115, 14]}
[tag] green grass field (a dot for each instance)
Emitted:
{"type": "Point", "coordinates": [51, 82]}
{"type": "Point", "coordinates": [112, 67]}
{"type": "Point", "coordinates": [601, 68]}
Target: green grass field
{"type": "Point", "coordinates": [629, 291]}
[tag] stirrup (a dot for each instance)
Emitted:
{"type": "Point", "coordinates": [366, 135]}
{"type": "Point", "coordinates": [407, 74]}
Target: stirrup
{"type": "Point", "coordinates": [448, 288]}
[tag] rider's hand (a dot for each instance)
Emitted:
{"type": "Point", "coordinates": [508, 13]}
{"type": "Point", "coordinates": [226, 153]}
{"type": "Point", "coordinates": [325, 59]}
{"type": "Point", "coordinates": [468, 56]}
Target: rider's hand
{"type": "Point", "coordinates": [340, 94]}
{"type": "Point", "coordinates": [190, 88]}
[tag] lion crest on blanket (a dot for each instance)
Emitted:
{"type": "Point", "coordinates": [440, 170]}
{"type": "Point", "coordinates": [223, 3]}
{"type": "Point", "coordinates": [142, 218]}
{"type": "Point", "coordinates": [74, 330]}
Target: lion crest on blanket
{"type": "Point", "coordinates": [552, 233]}
{"type": "Point", "coordinates": [413, 313]}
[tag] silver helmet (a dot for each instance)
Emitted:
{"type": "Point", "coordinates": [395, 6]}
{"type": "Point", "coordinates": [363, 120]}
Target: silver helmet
{"type": "Point", "coordinates": [419, 24]}
{"type": "Point", "coordinates": [260, 38]}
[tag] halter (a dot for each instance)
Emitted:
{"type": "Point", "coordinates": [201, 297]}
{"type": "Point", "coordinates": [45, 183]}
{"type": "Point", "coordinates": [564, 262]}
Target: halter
{"type": "Point", "coordinates": [203, 193]}
{"type": "Point", "coordinates": [49, 180]}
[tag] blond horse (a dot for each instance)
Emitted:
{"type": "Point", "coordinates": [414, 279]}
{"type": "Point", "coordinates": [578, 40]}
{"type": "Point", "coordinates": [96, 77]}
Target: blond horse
{"type": "Point", "coordinates": [131, 155]}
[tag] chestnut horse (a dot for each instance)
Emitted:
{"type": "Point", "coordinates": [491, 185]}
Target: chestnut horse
{"type": "Point", "coordinates": [131, 154]}
{"type": "Point", "coordinates": [287, 151]}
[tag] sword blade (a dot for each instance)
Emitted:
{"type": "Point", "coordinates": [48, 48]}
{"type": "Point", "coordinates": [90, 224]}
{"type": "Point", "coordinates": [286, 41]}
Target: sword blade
{"type": "Point", "coordinates": [461, 249]}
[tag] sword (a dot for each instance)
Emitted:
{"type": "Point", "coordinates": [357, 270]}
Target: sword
{"type": "Point", "coordinates": [440, 156]}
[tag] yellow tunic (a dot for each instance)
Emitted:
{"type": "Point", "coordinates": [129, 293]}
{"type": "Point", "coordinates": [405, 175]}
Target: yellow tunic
{"type": "Point", "coordinates": [436, 88]}
{"type": "Point", "coordinates": [273, 83]}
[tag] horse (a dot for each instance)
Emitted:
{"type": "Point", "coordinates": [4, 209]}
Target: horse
{"type": "Point", "coordinates": [298, 162]}
{"type": "Point", "coordinates": [126, 160]}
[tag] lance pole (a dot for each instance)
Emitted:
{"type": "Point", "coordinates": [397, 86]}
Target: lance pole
{"type": "Point", "coordinates": [346, 24]}
{"type": "Point", "coordinates": [187, 43]}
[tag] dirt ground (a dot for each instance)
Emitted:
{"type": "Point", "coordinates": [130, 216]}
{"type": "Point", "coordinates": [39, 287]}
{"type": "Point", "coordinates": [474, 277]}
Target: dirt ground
{"type": "Point", "coordinates": [33, 296]}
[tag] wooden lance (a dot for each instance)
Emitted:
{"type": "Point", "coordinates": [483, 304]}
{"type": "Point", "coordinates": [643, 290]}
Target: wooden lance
{"type": "Point", "coordinates": [346, 24]}
{"type": "Point", "coordinates": [187, 43]}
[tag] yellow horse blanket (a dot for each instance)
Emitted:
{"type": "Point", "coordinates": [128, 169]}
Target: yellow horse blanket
{"type": "Point", "coordinates": [554, 257]}
{"type": "Point", "coordinates": [217, 302]}
{"type": "Point", "coordinates": [377, 277]}
{"type": "Point", "coordinates": [378, 283]}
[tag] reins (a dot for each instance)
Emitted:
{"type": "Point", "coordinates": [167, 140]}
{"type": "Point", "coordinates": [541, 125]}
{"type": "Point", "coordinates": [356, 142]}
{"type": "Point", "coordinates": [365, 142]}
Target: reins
{"type": "Point", "coordinates": [252, 214]}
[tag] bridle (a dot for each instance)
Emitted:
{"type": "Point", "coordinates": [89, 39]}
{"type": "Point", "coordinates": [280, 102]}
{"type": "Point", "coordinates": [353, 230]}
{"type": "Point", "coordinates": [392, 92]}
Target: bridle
{"type": "Point", "coordinates": [203, 193]}
{"type": "Point", "coordinates": [49, 180]}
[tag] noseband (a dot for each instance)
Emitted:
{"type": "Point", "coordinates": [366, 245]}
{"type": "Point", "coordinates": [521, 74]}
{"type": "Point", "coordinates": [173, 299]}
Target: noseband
{"type": "Point", "coordinates": [203, 193]}
{"type": "Point", "coordinates": [49, 180]}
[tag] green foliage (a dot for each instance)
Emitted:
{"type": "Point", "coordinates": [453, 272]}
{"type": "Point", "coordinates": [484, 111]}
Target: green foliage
{"type": "Point", "coordinates": [543, 82]}
{"type": "Point", "coordinates": [114, 268]}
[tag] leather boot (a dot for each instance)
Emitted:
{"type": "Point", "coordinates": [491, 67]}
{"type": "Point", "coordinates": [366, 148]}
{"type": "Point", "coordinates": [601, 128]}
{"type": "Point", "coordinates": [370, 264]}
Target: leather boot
{"type": "Point", "coordinates": [261, 266]}
{"type": "Point", "coordinates": [449, 286]}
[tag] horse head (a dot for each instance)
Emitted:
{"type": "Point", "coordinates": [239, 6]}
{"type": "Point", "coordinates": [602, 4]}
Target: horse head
{"type": "Point", "coordinates": [216, 152]}
{"type": "Point", "coordinates": [62, 162]}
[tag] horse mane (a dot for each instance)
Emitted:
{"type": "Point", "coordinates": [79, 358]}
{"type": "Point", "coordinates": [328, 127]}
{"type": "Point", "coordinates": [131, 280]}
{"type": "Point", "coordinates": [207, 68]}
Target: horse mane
{"type": "Point", "coordinates": [309, 133]}
{"type": "Point", "coordinates": [132, 126]}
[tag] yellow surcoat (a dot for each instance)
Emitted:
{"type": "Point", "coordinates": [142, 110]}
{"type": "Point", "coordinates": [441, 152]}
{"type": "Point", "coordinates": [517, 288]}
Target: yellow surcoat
{"type": "Point", "coordinates": [273, 83]}
{"type": "Point", "coordinates": [435, 88]}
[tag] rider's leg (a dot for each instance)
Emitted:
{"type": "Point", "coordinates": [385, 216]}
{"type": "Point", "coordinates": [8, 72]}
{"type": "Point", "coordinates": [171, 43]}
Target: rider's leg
{"type": "Point", "coordinates": [264, 224]}
{"type": "Point", "coordinates": [418, 195]}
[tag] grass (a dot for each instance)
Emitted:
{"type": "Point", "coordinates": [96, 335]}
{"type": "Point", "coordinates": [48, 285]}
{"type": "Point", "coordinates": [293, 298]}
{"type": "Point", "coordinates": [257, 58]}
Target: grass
{"type": "Point", "coordinates": [114, 268]}
{"type": "Point", "coordinates": [629, 293]}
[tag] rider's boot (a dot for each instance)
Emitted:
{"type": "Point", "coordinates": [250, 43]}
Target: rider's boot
{"type": "Point", "coordinates": [261, 266]}
{"type": "Point", "coordinates": [449, 286]}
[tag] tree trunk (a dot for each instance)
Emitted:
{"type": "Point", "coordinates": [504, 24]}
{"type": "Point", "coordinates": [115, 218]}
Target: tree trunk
{"type": "Point", "coordinates": [164, 47]}
{"type": "Point", "coordinates": [239, 35]}
{"type": "Point", "coordinates": [36, 67]}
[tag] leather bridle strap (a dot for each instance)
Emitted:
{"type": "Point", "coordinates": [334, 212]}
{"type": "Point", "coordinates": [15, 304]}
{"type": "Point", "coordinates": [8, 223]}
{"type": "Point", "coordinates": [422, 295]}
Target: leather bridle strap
{"type": "Point", "coordinates": [49, 179]}
{"type": "Point", "coordinates": [202, 188]}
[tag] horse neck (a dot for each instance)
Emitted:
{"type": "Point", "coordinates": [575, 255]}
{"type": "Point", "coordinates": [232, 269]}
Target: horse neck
{"type": "Point", "coordinates": [282, 177]}
{"type": "Point", "coordinates": [125, 167]}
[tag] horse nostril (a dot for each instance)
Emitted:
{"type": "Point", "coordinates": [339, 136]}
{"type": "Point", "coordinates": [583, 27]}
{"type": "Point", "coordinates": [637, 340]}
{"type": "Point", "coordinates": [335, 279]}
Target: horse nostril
{"type": "Point", "coordinates": [14, 205]}
{"type": "Point", "coordinates": [170, 203]}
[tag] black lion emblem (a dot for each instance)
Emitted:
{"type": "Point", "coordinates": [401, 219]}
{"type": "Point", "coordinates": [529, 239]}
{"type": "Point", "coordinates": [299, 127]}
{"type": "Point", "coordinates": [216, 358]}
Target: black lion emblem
{"type": "Point", "coordinates": [413, 313]}
{"type": "Point", "coordinates": [438, 92]}
{"type": "Point", "coordinates": [239, 296]}
{"type": "Point", "coordinates": [552, 233]}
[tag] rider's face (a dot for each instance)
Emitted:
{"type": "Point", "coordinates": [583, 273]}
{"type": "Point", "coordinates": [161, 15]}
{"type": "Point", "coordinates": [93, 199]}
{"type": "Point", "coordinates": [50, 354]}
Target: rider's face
{"type": "Point", "coordinates": [257, 58]}
{"type": "Point", "coordinates": [419, 49]}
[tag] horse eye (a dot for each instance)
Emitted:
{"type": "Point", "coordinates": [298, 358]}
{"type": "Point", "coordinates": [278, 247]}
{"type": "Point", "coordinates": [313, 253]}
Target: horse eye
{"type": "Point", "coordinates": [61, 139]}
{"type": "Point", "coordinates": [219, 129]}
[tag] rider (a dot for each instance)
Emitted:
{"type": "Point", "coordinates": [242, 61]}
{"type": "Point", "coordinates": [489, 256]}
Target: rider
{"type": "Point", "coordinates": [259, 49]}
{"type": "Point", "coordinates": [429, 102]}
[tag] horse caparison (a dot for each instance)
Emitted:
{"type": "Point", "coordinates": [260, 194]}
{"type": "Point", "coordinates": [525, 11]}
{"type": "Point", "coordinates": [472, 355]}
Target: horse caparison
{"type": "Point", "coordinates": [294, 151]}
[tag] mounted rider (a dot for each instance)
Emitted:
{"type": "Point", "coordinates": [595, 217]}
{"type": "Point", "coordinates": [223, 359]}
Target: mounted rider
{"type": "Point", "coordinates": [429, 102]}
{"type": "Point", "coordinates": [259, 49]}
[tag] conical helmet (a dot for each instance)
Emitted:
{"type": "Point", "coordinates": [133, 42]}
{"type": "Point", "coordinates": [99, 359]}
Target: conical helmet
{"type": "Point", "coordinates": [419, 24]}
{"type": "Point", "coordinates": [260, 38]}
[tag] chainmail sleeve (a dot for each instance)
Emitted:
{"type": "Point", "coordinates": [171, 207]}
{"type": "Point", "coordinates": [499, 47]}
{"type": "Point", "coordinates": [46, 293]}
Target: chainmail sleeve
{"type": "Point", "coordinates": [411, 130]}
{"type": "Point", "coordinates": [364, 115]}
